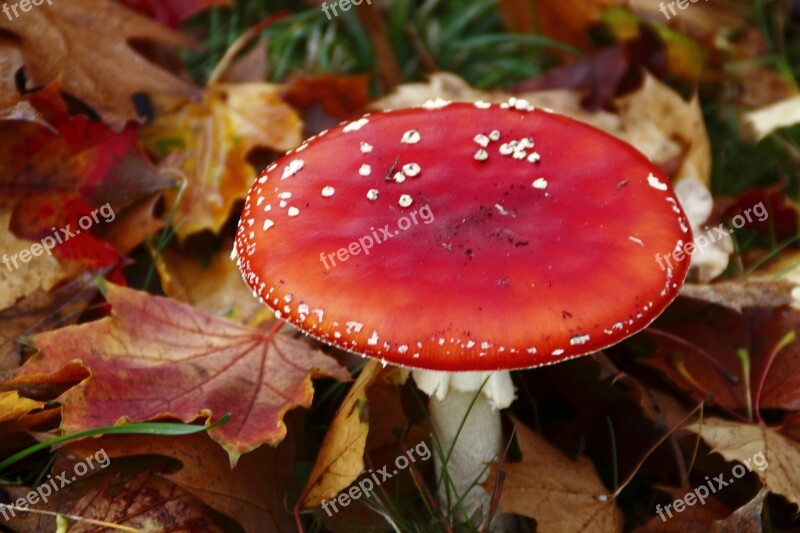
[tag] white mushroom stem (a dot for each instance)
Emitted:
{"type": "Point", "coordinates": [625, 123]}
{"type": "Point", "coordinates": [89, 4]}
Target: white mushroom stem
{"type": "Point", "coordinates": [480, 440]}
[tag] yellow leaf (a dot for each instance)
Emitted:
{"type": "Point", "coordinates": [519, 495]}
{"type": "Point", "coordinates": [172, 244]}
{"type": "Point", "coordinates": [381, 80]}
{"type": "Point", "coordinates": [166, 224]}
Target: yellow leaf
{"type": "Point", "coordinates": [13, 407]}
{"type": "Point", "coordinates": [341, 457]}
{"type": "Point", "coordinates": [214, 136]}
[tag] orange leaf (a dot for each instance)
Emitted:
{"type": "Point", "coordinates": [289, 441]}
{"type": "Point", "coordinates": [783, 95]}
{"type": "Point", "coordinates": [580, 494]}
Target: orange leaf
{"type": "Point", "coordinates": [156, 358]}
{"type": "Point", "coordinates": [13, 407]}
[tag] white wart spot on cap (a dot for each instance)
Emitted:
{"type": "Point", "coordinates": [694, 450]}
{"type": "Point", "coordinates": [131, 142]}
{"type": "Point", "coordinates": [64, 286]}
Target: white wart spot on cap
{"type": "Point", "coordinates": [539, 183]}
{"type": "Point", "coordinates": [410, 137]}
{"type": "Point", "coordinates": [328, 191]}
{"type": "Point", "coordinates": [412, 170]}
{"type": "Point", "coordinates": [405, 200]}
{"type": "Point", "coordinates": [293, 168]}
{"type": "Point", "coordinates": [268, 224]}
{"type": "Point", "coordinates": [579, 339]}
{"type": "Point", "coordinates": [356, 125]}
{"type": "Point", "coordinates": [365, 170]}
{"type": "Point", "coordinates": [482, 105]}
{"type": "Point", "coordinates": [481, 155]}
{"type": "Point", "coordinates": [293, 212]}
{"type": "Point", "coordinates": [366, 148]}
{"type": "Point", "coordinates": [372, 194]}
{"type": "Point", "coordinates": [655, 183]}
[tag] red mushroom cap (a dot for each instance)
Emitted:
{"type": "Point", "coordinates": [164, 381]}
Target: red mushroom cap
{"type": "Point", "coordinates": [464, 237]}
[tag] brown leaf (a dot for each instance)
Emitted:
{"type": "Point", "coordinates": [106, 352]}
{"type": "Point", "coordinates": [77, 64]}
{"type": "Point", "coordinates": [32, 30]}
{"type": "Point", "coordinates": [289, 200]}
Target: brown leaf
{"type": "Point", "coordinates": [252, 493]}
{"type": "Point", "coordinates": [88, 43]}
{"type": "Point", "coordinates": [740, 442]}
{"type": "Point", "coordinates": [156, 358]}
{"type": "Point", "coordinates": [131, 227]}
{"type": "Point", "coordinates": [707, 518]}
{"type": "Point", "coordinates": [12, 104]}
{"type": "Point", "coordinates": [130, 493]}
{"type": "Point", "coordinates": [559, 493]}
{"type": "Point", "coordinates": [215, 137]}
{"type": "Point", "coordinates": [740, 293]}
{"type": "Point", "coordinates": [39, 311]}
{"type": "Point", "coordinates": [341, 457]}
{"type": "Point", "coordinates": [569, 21]}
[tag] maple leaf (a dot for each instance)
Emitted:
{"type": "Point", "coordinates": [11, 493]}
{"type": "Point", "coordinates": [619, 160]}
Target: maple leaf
{"type": "Point", "coordinates": [156, 358]}
{"type": "Point", "coordinates": [740, 442]}
{"type": "Point", "coordinates": [215, 136]}
{"type": "Point", "coordinates": [87, 42]}
{"type": "Point", "coordinates": [173, 12]}
{"type": "Point", "coordinates": [561, 494]}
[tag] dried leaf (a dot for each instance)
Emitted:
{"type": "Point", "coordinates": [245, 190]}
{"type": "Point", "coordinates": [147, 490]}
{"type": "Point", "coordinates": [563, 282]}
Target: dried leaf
{"type": "Point", "coordinates": [707, 518]}
{"type": "Point", "coordinates": [215, 136]}
{"type": "Point", "coordinates": [216, 288]}
{"type": "Point", "coordinates": [559, 493]}
{"type": "Point", "coordinates": [128, 493]}
{"type": "Point", "coordinates": [12, 105]}
{"type": "Point", "coordinates": [740, 293]}
{"type": "Point", "coordinates": [13, 407]}
{"type": "Point", "coordinates": [39, 311]}
{"type": "Point", "coordinates": [252, 493]}
{"type": "Point", "coordinates": [341, 457]}
{"type": "Point", "coordinates": [739, 442]}
{"type": "Point", "coordinates": [87, 42]}
{"type": "Point", "coordinates": [156, 358]}
{"type": "Point", "coordinates": [22, 273]}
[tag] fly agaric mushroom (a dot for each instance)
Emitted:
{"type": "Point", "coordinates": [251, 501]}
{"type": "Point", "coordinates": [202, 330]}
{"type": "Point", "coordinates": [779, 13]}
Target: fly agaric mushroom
{"type": "Point", "coordinates": [464, 240]}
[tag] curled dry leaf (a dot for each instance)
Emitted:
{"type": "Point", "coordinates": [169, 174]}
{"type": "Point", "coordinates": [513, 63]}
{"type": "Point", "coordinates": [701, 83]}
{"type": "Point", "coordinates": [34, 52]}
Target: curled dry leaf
{"type": "Point", "coordinates": [559, 493]}
{"type": "Point", "coordinates": [341, 456]}
{"type": "Point", "coordinates": [739, 442]}
{"type": "Point", "coordinates": [87, 42]}
{"type": "Point", "coordinates": [741, 293]}
{"type": "Point", "coordinates": [215, 136]}
{"type": "Point", "coordinates": [156, 358]}
{"type": "Point", "coordinates": [773, 117]}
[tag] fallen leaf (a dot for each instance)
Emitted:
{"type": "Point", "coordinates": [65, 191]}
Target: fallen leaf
{"type": "Point", "coordinates": [700, 348]}
{"type": "Point", "coordinates": [709, 517]}
{"type": "Point", "coordinates": [42, 310]}
{"type": "Point", "coordinates": [676, 119]}
{"type": "Point", "coordinates": [341, 97]}
{"type": "Point", "coordinates": [131, 227]}
{"type": "Point", "coordinates": [341, 457]}
{"type": "Point", "coordinates": [129, 493]}
{"type": "Point", "coordinates": [26, 266]}
{"type": "Point", "coordinates": [569, 21]}
{"type": "Point", "coordinates": [12, 105]}
{"type": "Point", "coordinates": [739, 442]}
{"type": "Point", "coordinates": [156, 358]}
{"type": "Point", "coordinates": [214, 286]}
{"type": "Point", "coordinates": [559, 493]}
{"type": "Point", "coordinates": [740, 293]}
{"type": "Point", "coordinates": [13, 407]}
{"type": "Point", "coordinates": [252, 493]}
{"type": "Point", "coordinates": [87, 42]}
{"type": "Point", "coordinates": [215, 136]}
